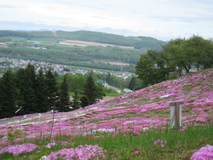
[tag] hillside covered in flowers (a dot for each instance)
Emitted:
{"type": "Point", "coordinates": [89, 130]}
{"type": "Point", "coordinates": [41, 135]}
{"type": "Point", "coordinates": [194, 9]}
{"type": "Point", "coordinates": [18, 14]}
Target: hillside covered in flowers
{"type": "Point", "coordinates": [135, 112]}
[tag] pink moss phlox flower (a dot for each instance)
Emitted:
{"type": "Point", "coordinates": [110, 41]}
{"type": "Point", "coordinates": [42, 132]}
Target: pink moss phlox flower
{"type": "Point", "coordinates": [160, 142]}
{"type": "Point", "coordinates": [64, 143]}
{"type": "Point", "coordinates": [85, 152]}
{"type": "Point", "coordinates": [183, 129]}
{"type": "Point", "coordinates": [205, 153]}
{"type": "Point", "coordinates": [18, 149]}
{"type": "Point", "coordinates": [49, 145]}
{"type": "Point", "coordinates": [136, 152]}
{"type": "Point", "coordinates": [135, 131]}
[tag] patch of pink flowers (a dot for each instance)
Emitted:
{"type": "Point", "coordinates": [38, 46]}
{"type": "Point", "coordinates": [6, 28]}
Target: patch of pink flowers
{"type": "Point", "coordinates": [160, 143]}
{"type": "Point", "coordinates": [49, 145]}
{"type": "Point", "coordinates": [205, 153]}
{"type": "Point", "coordinates": [19, 149]}
{"type": "Point", "coordinates": [85, 152]}
{"type": "Point", "coordinates": [54, 143]}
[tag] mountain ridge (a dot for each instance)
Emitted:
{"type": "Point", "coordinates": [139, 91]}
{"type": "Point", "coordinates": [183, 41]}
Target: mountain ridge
{"type": "Point", "coordinates": [91, 36]}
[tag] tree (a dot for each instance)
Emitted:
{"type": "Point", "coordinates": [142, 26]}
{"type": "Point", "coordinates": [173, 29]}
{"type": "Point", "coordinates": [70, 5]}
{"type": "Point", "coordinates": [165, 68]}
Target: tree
{"type": "Point", "coordinates": [41, 92]}
{"type": "Point", "coordinates": [208, 56]}
{"type": "Point", "coordinates": [200, 50]}
{"type": "Point", "coordinates": [27, 85]}
{"type": "Point", "coordinates": [132, 83]}
{"type": "Point", "coordinates": [76, 82]}
{"type": "Point", "coordinates": [8, 95]}
{"type": "Point", "coordinates": [76, 101]}
{"type": "Point", "coordinates": [135, 83]}
{"type": "Point", "coordinates": [152, 67]}
{"type": "Point", "coordinates": [52, 90]}
{"type": "Point", "coordinates": [92, 90]}
{"type": "Point", "coordinates": [64, 96]}
{"type": "Point", "coordinates": [20, 83]}
{"type": "Point", "coordinates": [100, 91]}
{"type": "Point", "coordinates": [84, 101]}
{"type": "Point", "coordinates": [179, 56]}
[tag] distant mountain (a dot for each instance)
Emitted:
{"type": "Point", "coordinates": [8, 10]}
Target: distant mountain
{"type": "Point", "coordinates": [91, 50]}
{"type": "Point", "coordinates": [100, 37]}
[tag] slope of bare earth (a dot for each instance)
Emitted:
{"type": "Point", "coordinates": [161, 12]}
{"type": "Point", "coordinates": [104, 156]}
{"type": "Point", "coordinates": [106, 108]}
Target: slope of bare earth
{"type": "Point", "coordinates": [85, 43]}
{"type": "Point", "coordinates": [118, 63]}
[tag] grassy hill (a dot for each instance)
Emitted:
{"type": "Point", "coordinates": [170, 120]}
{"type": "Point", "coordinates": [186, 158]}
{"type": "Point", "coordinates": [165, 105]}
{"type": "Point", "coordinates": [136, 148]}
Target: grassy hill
{"type": "Point", "coordinates": [132, 126]}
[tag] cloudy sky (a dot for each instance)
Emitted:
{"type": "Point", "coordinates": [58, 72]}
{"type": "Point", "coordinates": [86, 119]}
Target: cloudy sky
{"type": "Point", "coordinates": [161, 19]}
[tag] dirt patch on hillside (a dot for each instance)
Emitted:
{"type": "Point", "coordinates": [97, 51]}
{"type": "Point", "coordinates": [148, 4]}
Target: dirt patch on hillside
{"type": "Point", "coordinates": [85, 43]}
{"type": "Point", "coordinates": [117, 63]}
{"type": "Point", "coordinates": [107, 98]}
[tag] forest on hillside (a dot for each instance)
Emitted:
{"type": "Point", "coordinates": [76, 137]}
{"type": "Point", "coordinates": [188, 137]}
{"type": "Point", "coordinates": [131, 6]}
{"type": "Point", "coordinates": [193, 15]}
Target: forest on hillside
{"type": "Point", "coordinates": [36, 92]}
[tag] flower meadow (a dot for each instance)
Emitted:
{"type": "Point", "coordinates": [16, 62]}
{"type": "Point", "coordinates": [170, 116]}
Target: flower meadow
{"type": "Point", "coordinates": [131, 126]}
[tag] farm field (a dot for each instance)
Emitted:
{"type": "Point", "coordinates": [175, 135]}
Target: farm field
{"type": "Point", "coordinates": [132, 126]}
{"type": "Point", "coordinates": [86, 43]}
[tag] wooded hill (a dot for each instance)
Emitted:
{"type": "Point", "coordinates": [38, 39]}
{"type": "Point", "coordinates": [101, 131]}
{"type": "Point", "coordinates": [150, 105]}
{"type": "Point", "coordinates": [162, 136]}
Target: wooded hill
{"type": "Point", "coordinates": [137, 42]}
{"type": "Point", "coordinates": [80, 48]}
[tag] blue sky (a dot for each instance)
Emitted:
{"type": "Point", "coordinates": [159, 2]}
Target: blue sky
{"type": "Point", "coordinates": [161, 19]}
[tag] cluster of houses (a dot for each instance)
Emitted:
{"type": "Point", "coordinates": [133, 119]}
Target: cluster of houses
{"type": "Point", "coordinates": [2, 44]}
{"type": "Point", "coordinates": [7, 63]}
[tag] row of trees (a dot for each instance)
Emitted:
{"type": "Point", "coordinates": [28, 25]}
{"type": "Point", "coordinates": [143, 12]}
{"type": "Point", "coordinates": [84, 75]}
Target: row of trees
{"type": "Point", "coordinates": [35, 93]}
{"type": "Point", "coordinates": [176, 58]}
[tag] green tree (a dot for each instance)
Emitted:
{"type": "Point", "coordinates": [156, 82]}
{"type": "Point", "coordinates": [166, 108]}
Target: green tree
{"type": "Point", "coordinates": [8, 96]}
{"type": "Point", "coordinates": [20, 81]}
{"type": "Point", "coordinates": [90, 89]}
{"type": "Point", "coordinates": [64, 96]}
{"type": "Point", "coordinates": [27, 85]}
{"type": "Point", "coordinates": [76, 100]}
{"type": "Point", "coordinates": [132, 83]}
{"type": "Point", "coordinates": [208, 56]}
{"type": "Point", "coordinates": [75, 82]}
{"type": "Point", "coordinates": [93, 90]}
{"type": "Point", "coordinates": [152, 67]}
{"type": "Point", "coordinates": [52, 90]}
{"type": "Point", "coordinates": [84, 101]}
{"type": "Point", "coordinates": [135, 83]}
{"type": "Point", "coordinates": [41, 92]}
{"type": "Point", "coordinates": [100, 93]}
{"type": "Point", "coordinates": [138, 84]}
{"type": "Point", "coordinates": [200, 50]}
{"type": "Point", "coordinates": [178, 56]}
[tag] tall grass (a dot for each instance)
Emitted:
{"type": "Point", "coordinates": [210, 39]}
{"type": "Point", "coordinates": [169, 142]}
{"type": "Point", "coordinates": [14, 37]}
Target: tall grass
{"type": "Point", "coordinates": [164, 144]}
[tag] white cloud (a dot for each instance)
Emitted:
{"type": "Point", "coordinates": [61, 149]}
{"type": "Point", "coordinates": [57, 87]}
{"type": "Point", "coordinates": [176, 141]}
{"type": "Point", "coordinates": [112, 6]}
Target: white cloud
{"type": "Point", "coordinates": [164, 19]}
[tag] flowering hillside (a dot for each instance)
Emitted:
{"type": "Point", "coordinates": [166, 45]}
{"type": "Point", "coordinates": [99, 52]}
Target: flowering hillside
{"type": "Point", "coordinates": [135, 112]}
